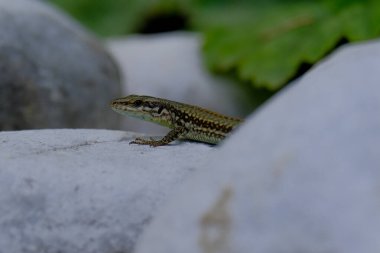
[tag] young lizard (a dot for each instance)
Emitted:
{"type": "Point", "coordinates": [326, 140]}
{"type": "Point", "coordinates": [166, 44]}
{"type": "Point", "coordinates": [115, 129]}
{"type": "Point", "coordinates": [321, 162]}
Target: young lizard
{"type": "Point", "coordinates": [186, 121]}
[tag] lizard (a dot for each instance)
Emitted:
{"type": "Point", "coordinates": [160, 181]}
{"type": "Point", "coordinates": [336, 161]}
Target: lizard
{"type": "Point", "coordinates": [187, 122]}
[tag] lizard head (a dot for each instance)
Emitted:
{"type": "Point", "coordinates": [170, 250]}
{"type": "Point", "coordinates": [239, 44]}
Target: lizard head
{"type": "Point", "coordinates": [143, 107]}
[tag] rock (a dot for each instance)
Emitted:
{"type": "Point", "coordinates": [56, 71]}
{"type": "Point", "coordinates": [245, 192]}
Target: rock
{"type": "Point", "coordinates": [301, 175]}
{"type": "Point", "coordinates": [169, 65]}
{"type": "Point", "coordinates": [84, 190]}
{"type": "Point", "coordinates": [52, 72]}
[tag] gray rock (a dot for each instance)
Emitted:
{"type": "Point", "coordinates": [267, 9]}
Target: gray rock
{"type": "Point", "coordinates": [53, 74]}
{"type": "Point", "coordinates": [301, 175]}
{"type": "Point", "coordinates": [84, 191]}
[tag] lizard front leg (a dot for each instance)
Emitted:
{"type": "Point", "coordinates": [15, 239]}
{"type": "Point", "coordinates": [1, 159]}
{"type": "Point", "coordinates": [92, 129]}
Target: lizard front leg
{"type": "Point", "coordinates": [173, 135]}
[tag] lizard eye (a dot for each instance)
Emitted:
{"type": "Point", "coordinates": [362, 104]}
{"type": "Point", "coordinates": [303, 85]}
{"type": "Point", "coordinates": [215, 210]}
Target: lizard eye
{"type": "Point", "coordinates": [160, 109]}
{"type": "Point", "coordinates": [137, 103]}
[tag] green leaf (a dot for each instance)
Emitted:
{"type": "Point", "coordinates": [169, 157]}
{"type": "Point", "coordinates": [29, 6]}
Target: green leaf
{"type": "Point", "coordinates": [265, 44]}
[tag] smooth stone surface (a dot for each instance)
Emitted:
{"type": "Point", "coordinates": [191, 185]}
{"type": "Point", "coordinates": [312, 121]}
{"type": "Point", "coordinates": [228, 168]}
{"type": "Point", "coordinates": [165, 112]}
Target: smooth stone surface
{"type": "Point", "coordinates": [301, 175]}
{"type": "Point", "coordinates": [53, 73]}
{"type": "Point", "coordinates": [85, 191]}
{"type": "Point", "coordinates": [170, 66]}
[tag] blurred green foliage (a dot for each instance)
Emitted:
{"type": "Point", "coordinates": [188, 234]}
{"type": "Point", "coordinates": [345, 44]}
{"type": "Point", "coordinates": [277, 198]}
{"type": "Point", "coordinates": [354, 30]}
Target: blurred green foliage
{"type": "Point", "coordinates": [116, 17]}
{"type": "Point", "coordinates": [264, 43]}
{"type": "Point", "coordinates": [267, 44]}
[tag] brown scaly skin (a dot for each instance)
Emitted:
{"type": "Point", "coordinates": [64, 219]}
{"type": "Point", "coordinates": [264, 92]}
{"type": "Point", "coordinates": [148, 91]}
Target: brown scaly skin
{"type": "Point", "coordinates": [186, 121]}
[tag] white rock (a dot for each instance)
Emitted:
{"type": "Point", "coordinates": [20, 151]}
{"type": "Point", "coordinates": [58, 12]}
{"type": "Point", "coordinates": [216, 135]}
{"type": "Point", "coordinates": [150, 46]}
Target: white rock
{"type": "Point", "coordinates": [302, 175]}
{"type": "Point", "coordinates": [84, 190]}
{"type": "Point", "coordinates": [170, 66]}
